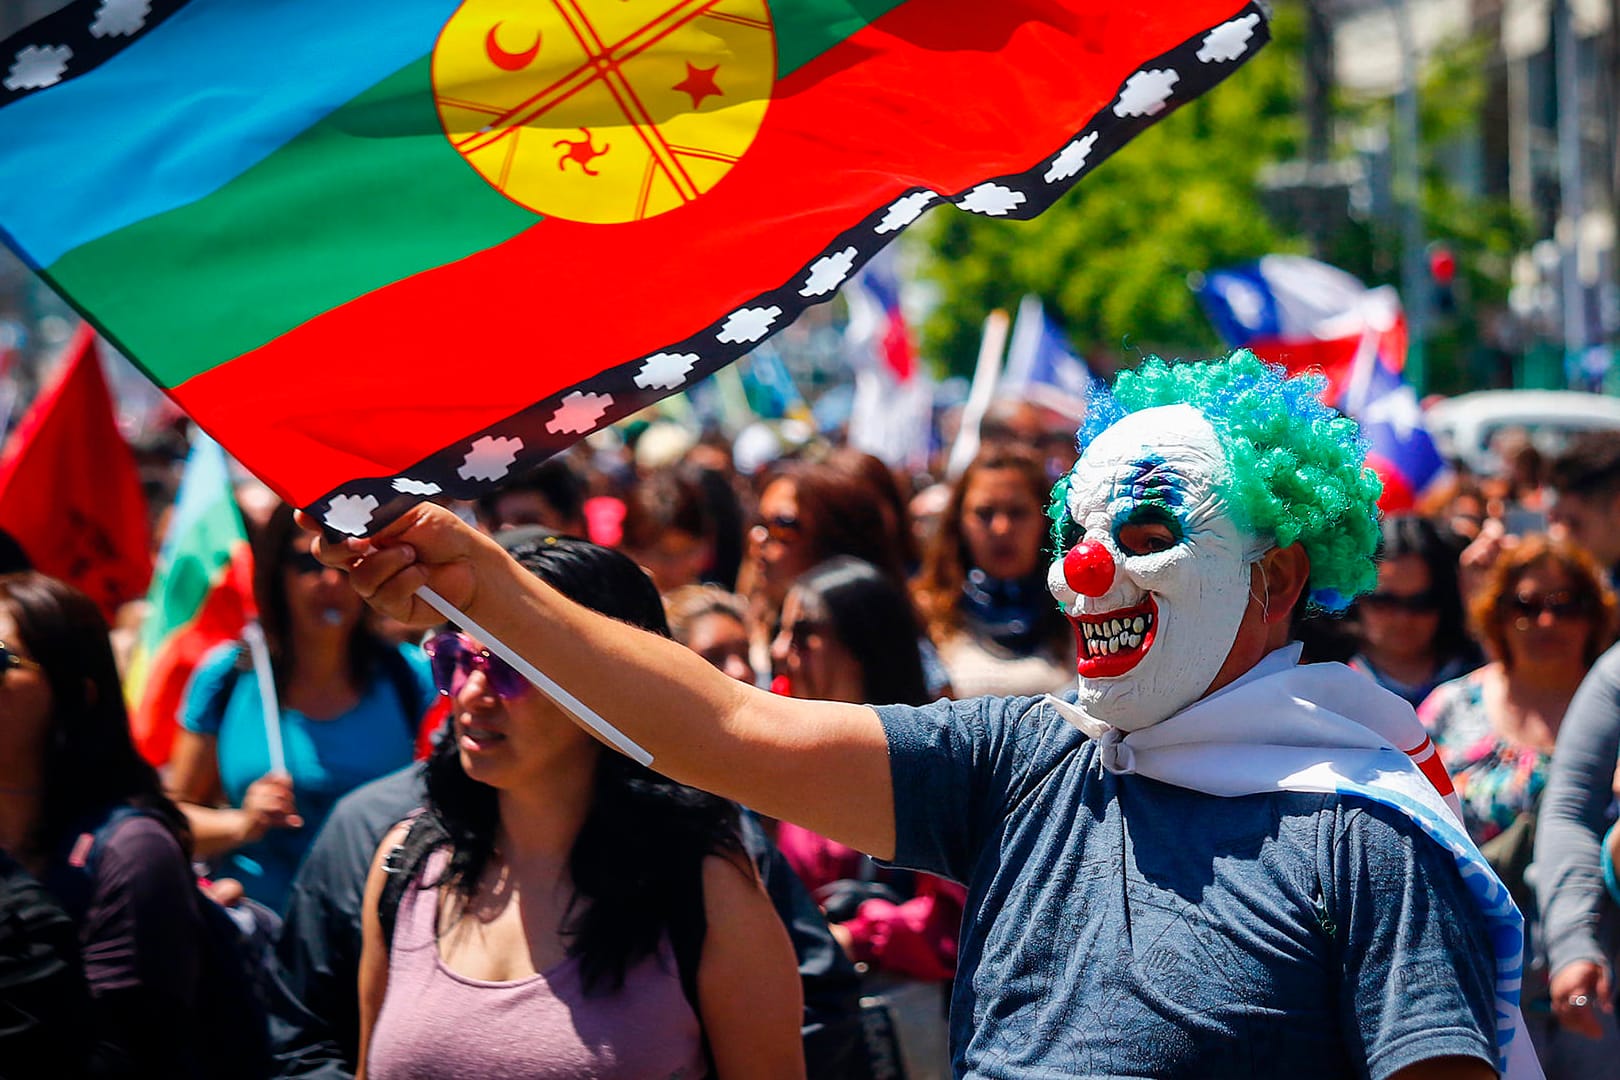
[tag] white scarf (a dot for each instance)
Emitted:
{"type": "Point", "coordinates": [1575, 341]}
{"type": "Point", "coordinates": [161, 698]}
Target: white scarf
{"type": "Point", "coordinates": [1324, 728]}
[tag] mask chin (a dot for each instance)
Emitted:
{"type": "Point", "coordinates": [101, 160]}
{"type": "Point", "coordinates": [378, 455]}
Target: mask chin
{"type": "Point", "coordinates": [1191, 643]}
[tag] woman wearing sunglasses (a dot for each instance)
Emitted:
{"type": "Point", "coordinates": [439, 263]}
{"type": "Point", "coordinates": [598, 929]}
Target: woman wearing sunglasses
{"type": "Point", "coordinates": [539, 939]}
{"type": "Point", "coordinates": [349, 703]}
{"type": "Point", "coordinates": [82, 812]}
{"type": "Point", "coordinates": [1545, 615]}
{"type": "Point", "coordinates": [1411, 630]}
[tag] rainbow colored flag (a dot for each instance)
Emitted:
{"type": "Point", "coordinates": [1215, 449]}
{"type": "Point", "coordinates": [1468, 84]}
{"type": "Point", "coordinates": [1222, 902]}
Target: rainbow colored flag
{"type": "Point", "coordinates": [384, 249]}
{"type": "Point", "coordinates": [201, 595]}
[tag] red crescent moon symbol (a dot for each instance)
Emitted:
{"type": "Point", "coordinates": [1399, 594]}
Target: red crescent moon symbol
{"type": "Point", "coordinates": [509, 61]}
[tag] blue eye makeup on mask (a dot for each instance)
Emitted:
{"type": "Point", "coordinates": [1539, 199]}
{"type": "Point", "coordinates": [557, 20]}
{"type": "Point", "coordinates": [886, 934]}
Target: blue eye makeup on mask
{"type": "Point", "coordinates": [1147, 508]}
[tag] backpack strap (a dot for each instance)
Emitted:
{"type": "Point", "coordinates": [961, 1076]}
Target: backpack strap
{"type": "Point", "coordinates": [401, 866]}
{"type": "Point", "coordinates": [71, 876]}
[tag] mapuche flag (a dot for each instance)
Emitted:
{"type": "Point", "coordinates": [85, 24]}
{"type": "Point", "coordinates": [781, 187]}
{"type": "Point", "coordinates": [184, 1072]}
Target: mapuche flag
{"type": "Point", "coordinates": [69, 490]}
{"type": "Point", "coordinates": [384, 249]}
{"type": "Point", "coordinates": [201, 595]}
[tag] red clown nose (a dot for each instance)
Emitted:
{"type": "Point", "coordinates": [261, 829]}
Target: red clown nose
{"type": "Point", "coordinates": [1088, 568]}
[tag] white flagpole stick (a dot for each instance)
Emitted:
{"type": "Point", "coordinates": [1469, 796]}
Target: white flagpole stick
{"type": "Point", "coordinates": [986, 373]}
{"type": "Point", "coordinates": [259, 650]}
{"type": "Point", "coordinates": [546, 685]}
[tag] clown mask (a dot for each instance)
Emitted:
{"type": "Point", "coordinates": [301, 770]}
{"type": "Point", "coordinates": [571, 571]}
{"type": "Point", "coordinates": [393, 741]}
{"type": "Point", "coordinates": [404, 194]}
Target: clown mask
{"type": "Point", "coordinates": [1157, 581]}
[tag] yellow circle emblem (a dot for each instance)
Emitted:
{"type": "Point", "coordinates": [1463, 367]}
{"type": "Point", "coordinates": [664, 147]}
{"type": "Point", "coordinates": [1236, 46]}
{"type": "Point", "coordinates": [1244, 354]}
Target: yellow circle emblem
{"type": "Point", "coordinates": [604, 110]}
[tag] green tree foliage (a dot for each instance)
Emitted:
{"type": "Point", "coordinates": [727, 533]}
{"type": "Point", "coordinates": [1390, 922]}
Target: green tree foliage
{"type": "Point", "coordinates": [1111, 259]}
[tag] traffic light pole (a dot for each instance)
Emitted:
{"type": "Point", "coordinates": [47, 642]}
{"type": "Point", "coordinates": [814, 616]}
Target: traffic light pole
{"type": "Point", "coordinates": [1408, 184]}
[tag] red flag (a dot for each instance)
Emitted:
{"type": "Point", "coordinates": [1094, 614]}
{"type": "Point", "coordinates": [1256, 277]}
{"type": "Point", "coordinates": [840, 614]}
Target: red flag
{"type": "Point", "coordinates": [69, 492]}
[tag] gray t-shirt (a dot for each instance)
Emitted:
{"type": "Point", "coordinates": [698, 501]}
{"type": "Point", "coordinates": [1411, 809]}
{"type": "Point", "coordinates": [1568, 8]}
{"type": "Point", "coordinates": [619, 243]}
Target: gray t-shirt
{"type": "Point", "coordinates": [1575, 812]}
{"type": "Point", "coordinates": [1118, 926]}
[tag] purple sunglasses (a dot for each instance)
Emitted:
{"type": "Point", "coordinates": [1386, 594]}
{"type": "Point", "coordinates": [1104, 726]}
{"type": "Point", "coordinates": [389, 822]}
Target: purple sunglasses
{"type": "Point", "coordinates": [453, 657]}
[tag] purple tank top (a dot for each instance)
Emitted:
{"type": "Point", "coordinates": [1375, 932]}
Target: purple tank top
{"type": "Point", "coordinates": [437, 1025]}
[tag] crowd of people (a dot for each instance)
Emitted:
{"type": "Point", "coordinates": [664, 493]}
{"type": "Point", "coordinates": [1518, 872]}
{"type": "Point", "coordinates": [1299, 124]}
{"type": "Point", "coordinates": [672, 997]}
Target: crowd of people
{"type": "Point", "coordinates": [525, 902]}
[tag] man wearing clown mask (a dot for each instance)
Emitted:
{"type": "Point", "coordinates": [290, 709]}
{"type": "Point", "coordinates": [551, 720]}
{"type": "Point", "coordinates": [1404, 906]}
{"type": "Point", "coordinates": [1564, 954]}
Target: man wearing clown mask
{"type": "Point", "coordinates": [1214, 862]}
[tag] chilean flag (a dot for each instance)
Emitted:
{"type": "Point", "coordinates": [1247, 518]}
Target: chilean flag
{"type": "Point", "coordinates": [1307, 315]}
{"type": "Point", "coordinates": [1304, 315]}
{"type": "Point", "coordinates": [1400, 448]}
{"type": "Point", "coordinates": [876, 324]}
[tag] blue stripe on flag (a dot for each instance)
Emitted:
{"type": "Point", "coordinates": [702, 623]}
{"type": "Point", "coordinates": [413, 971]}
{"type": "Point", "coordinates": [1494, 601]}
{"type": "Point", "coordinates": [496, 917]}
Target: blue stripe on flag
{"type": "Point", "coordinates": [216, 89]}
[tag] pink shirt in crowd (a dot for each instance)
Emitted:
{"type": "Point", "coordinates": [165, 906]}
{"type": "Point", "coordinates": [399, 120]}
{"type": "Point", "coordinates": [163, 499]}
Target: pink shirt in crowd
{"type": "Point", "coordinates": [917, 938]}
{"type": "Point", "coordinates": [437, 1025]}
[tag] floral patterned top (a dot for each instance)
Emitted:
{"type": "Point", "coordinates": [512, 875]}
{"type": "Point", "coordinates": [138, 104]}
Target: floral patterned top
{"type": "Point", "coordinates": [1495, 779]}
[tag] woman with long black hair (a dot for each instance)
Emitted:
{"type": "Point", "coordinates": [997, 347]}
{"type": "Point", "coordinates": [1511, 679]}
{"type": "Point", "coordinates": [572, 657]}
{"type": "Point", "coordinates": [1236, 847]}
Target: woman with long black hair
{"type": "Point", "coordinates": [84, 813]}
{"type": "Point", "coordinates": [540, 937]}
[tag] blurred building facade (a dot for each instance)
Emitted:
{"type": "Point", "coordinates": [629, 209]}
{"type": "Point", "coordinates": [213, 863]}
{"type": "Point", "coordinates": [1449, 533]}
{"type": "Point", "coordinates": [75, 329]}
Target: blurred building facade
{"type": "Point", "coordinates": [1545, 138]}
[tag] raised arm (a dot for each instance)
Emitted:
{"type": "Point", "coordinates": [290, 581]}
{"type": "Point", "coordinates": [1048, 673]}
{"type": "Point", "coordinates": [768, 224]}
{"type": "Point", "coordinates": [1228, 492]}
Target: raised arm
{"type": "Point", "coordinates": [823, 765]}
{"type": "Point", "coordinates": [1567, 872]}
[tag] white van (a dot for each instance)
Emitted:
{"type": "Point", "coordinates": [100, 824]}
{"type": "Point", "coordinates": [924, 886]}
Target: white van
{"type": "Point", "coordinates": [1465, 426]}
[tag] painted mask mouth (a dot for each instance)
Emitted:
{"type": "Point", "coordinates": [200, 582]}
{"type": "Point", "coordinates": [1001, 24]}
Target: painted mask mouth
{"type": "Point", "coordinates": [1111, 643]}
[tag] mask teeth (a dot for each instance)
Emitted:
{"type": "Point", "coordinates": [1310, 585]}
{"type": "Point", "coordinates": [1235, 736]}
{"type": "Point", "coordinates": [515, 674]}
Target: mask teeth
{"type": "Point", "coordinates": [1104, 637]}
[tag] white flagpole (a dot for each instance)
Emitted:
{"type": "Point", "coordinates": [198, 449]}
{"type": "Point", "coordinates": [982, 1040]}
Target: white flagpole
{"type": "Point", "coordinates": [259, 651]}
{"type": "Point", "coordinates": [986, 374]}
{"type": "Point", "coordinates": [543, 682]}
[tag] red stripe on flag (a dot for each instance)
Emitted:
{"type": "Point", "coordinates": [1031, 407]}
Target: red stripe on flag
{"type": "Point", "coordinates": [937, 93]}
{"type": "Point", "coordinates": [1429, 763]}
{"type": "Point", "coordinates": [220, 618]}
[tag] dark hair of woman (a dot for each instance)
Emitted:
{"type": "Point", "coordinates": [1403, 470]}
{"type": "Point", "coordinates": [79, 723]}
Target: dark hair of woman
{"type": "Point", "coordinates": [642, 832]}
{"type": "Point", "coordinates": [845, 515]}
{"type": "Point", "coordinates": [662, 500]}
{"type": "Point", "coordinates": [873, 619]}
{"type": "Point", "coordinates": [946, 562]}
{"type": "Point", "coordinates": [271, 545]}
{"type": "Point", "coordinates": [871, 469]}
{"type": "Point", "coordinates": [1408, 534]}
{"type": "Point", "coordinates": [90, 760]}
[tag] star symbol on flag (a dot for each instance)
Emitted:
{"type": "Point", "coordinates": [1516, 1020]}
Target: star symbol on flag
{"type": "Point", "coordinates": [829, 272]}
{"type": "Point", "coordinates": [350, 513]}
{"type": "Point", "coordinates": [579, 413]}
{"type": "Point", "coordinates": [699, 84]}
{"type": "Point", "coordinates": [37, 67]}
{"type": "Point", "coordinates": [1146, 92]}
{"type": "Point", "coordinates": [1248, 306]}
{"type": "Point", "coordinates": [749, 324]}
{"type": "Point", "coordinates": [665, 370]}
{"type": "Point", "coordinates": [406, 486]}
{"type": "Point", "coordinates": [991, 200]}
{"type": "Point", "coordinates": [1399, 409]}
{"type": "Point", "coordinates": [120, 18]}
{"type": "Point", "coordinates": [489, 458]}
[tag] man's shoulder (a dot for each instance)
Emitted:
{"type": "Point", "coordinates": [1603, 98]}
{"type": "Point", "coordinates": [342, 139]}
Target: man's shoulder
{"type": "Point", "coordinates": [1026, 730]}
{"type": "Point", "coordinates": [361, 818]}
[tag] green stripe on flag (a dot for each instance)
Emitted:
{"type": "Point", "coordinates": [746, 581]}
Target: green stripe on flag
{"type": "Point", "coordinates": [376, 187]}
{"type": "Point", "coordinates": [375, 184]}
{"type": "Point", "coordinates": [205, 530]}
{"type": "Point", "coordinates": [808, 28]}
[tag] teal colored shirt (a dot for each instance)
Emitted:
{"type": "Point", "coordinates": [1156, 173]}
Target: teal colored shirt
{"type": "Point", "coordinates": [326, 758]}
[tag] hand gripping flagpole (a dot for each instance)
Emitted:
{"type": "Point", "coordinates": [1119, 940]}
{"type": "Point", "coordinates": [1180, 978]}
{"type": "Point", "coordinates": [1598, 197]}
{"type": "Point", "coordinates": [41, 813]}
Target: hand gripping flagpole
{"type": "Point", "coordinates": [543, 682]}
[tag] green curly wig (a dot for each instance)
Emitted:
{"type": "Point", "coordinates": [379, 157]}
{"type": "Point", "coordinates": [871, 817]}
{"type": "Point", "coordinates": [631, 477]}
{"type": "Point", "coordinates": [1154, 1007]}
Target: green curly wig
{"type": "Point", "coordinates": [1297, 469]}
